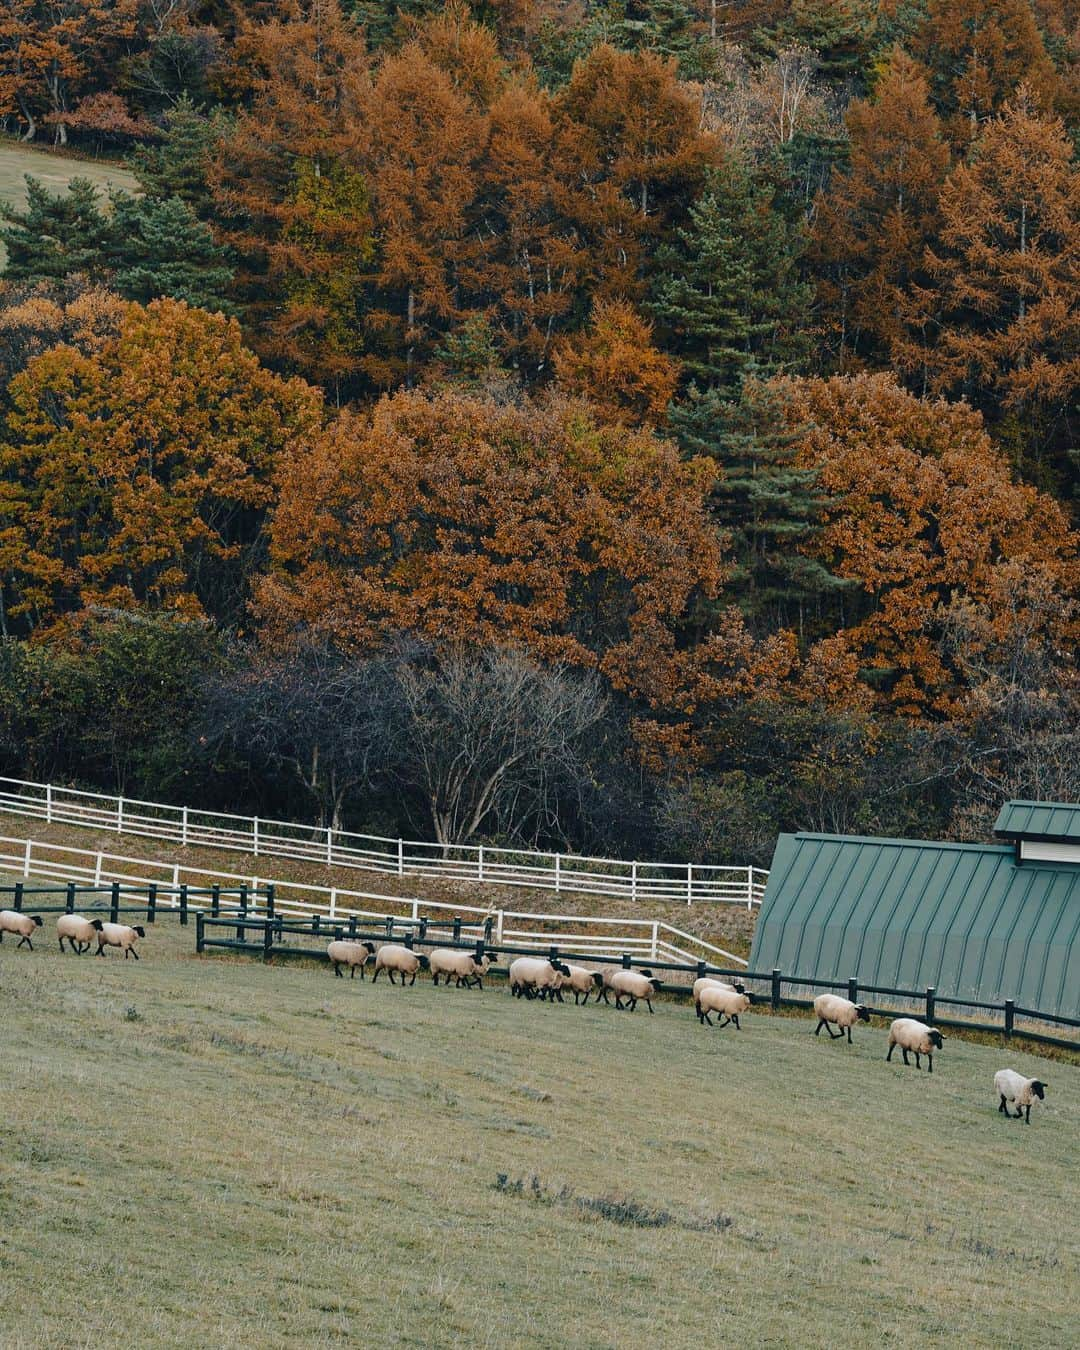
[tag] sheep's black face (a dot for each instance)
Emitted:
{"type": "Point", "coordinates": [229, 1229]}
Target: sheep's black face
{"type": "Point", "coordinates": [97, 925]}
{"type": "Point", "coordinates": [656, 985]}
{"type": "Point", "coordinates": [937, 1040]}
{"type": "Point", "coordinates": [370, 947]}
{"type": "Point", "coordinates": [141, 932]}
{"type": "Point", "coordinates": [425, 964]}
{"type": "Point", "coordinates": [739, 987]}
{"type": "Point", "coordinates": [37, 920]}
{"type": "Point", "coordinates": [1038, 1089]}
{"type": "Point", "coordinates": [862, 1013]}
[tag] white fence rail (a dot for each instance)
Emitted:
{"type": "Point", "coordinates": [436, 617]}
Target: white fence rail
{"type": "Point", "coordinates": [682, 882]}
{"type": "Point", "coordinates": [644, 939]}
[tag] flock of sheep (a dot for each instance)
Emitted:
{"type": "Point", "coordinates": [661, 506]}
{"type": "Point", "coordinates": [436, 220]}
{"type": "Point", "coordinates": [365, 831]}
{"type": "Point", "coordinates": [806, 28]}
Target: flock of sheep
{"type": "Point", "coordinates": [533, 977]}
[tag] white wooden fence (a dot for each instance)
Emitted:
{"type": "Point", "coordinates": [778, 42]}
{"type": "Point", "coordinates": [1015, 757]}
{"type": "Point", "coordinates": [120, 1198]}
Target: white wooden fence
{"type": "Point", "coordinates": [644, 939]}
{"type": "Point", "coordinates": [683, 882]}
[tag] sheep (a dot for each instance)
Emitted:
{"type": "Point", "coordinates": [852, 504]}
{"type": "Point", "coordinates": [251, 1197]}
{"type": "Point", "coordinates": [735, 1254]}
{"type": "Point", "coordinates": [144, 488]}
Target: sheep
{"type": "Point", "coordinates": [1014, 1087]}
{"type": "Point", "coordinates": [832, 1008]}
{"type": "Point", "coordinates": [344, 952]}
{"type": "Point", "coordinates": [119, 935]}
{"type": "Point", "coordinates": [634, 985]}
{"type": "Point", "coordinates": [908, 1034]}
{"type": "Point", "coordinates": [738, 985]}
{"type": "Point", "coordinates": [79, 932]}
{"type": "Point", "coordinates": [404, 960]}
{"type": "Point", "coordinates": [459, 965]}
{"type": "Point", "coordinates": [729, 1003]}
{"type": "Point", "coordinates": [581, 980]}
{"type": "Point", "coordinates": [536, 976]}
{"type": "Point", "coordinates": [14, 921]}
{"type": "Point", "coordinates": [607, 975]}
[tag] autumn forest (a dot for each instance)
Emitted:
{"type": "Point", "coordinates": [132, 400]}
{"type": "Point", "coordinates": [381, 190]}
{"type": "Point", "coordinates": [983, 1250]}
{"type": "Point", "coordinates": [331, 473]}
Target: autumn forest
{"type": "Point", "coordinates": [623, 427]}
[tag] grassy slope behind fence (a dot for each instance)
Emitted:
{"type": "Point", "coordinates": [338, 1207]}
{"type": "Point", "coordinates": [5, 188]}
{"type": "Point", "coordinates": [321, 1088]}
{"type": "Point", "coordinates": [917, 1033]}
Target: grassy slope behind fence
{"type": "Point", "coordinates": [230, 1154]}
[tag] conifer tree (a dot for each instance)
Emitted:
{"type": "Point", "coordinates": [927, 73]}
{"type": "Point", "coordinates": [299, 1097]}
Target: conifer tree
{"type": "Point", "coordinates": [56, 235]}
{"type": "Point", "coordinates": [159, 247]}
{"type": "Point", "coordinates": [179, 164]}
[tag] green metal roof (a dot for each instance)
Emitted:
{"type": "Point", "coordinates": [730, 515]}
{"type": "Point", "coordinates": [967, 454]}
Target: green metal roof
{"type": "Point", "coordinates": [1056, 822]}
{"type": "Point", "coordinates": [904, 913]}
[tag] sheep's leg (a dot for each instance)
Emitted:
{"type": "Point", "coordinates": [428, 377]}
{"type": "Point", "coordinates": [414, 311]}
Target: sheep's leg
{"type": "Point", "coordinates": [352, 973]}
{"type": "Point", "coordinates": [735, 1019]}
{"type": "Point", "coordinates": [412, 981]}
{"type": "Point", "coordinates": [835, 1036]}
{"type": "Point", "coordinates": [918, 1061]}
{"type": "Point", "coordinates": [1027, 1114]}
{"type": "Point", "coordinates": [726, 1020]}
{"type": "Point", "coordinates": [62, 943]}
{"type": "Point", "coordinates": [134, 953]}
{"type": "Point", "coordinates": [892, 1047]}
{"type": "Point", "coordinates": [706, 1020]}
{"type": "Point", "coordinates": [849, 1035]}
{"type": "Point", "coordinates": [375, 976]}
{"type": "Point", "coordinates": [1003, 1107]}
{"type": "Point", "coordinates": [648, 1004]}
{"type": "Point", "coordinates": [21, 941]}
{"type": "Point", "coordinates": [558, 995]}
{"type": "Point", "coordinates": [906, 1060]}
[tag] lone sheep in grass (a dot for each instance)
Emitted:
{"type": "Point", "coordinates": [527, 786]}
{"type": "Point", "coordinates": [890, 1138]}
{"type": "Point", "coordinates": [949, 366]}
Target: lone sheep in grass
{"type": "Point", "coordinates": [832, 1008]}
{"type": "Point", "coordinates": [79, 932]}
{"type": "Point", "coordinates": [14, 921]}
{"type": "Point", "coordinates": [1014, 1087]}
{"type": "Point", "coordinates": [355, 955]}
{"type": "Point", "coordinates": [605, 987]}
{"type": "Point", "coordinates": [917, 1037]}
{"type": "Point", "coordinates": [729, 1003]}
{"type": "Point", "coordinates": [633, 985]}
{"type": "Point", "coordinates": [119, 935]}
{"type": "Point", "coordinates": [461, 966]}
{"type": "Point", "coordinates": [582, 981]}
{"type": "Point", "coordinates": [537, 977]}
{"type": "Point", "coordinates": [391, 957]}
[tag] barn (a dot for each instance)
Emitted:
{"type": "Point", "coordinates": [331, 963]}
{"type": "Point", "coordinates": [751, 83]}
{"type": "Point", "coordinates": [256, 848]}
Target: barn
{"type": "Point", "coordinates": [986, 922]}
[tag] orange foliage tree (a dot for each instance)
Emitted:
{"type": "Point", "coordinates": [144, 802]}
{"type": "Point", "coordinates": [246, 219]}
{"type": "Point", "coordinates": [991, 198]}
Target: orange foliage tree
{"type": "Point", "coordinates": [137, 473]}
{"type": "Point", "coordinates": [459, 519]}
{"type": "Point", "coordinates": [923, 512]}
{"type": "Point", "coordinates": [616, 366]}
{"type": "Point", "coordinates": [872, 227]}
{"type": "Point", "coordinates": [998, 320]}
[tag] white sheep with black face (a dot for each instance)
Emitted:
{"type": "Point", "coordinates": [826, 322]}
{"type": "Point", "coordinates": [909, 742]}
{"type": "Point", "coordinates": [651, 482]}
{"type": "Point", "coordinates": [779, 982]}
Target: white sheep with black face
{"type": "Point", "coordinates": [79, 931]}
{"type": "Point", "coordinates": [351, 954]}
{"type": "Point", "coordinates": [728, 1003]}
{"type": "Point", "coordinates": [392, 957]}
{"type": "Point", "coordinates": [917, 1037]}
{"type": "Point", "coordinates": [460, 966]}
{"type": "Point", "coordinates": [1013, 1087]}
{"type": "Point", "coordinates": [537, 977]}
{"type": "Point", "coordinates": [120, 935]}
{"type": "Point", "coordinates": [831, 1008]}
{"type": "Point", "coordinates": [15, 921]}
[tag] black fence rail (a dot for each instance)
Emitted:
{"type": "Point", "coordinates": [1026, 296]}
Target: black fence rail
{"type": "Point", "coordinates": [116, 898]}
{"type": "Point", "coordinates": [268, 936]}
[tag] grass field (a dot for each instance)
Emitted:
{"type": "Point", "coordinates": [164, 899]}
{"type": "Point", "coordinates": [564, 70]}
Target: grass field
{"type": "Point", "coordinates": [55, 171]}
{"type": "Point", "coordinates": [210, 1152]}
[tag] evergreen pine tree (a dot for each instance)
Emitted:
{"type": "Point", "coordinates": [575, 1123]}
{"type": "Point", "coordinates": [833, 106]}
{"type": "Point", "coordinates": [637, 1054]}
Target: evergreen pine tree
{"type": "Point", "coordinates": [177, 166]}
{"type": "Point", "coordinates": [160, 248]}
{"type": "Point", "coordinates": [55, 236]}
{"type": "Point", "coordinates": [733, 308]}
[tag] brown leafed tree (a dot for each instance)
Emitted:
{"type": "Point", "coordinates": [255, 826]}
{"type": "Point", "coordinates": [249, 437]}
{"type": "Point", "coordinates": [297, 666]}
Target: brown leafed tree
{"type": "Point", "coordinates": [616, 365]}
{"type": "Point", "coordinates": [872, 228]}
{"type": "Point", "coordinates": [923, 512]}
{"type": "Point", "coordinates": [998, 319]}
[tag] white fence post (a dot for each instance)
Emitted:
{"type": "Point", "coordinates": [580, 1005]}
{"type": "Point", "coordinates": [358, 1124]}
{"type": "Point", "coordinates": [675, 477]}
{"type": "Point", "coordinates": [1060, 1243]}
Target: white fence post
{"type": "Point", "coordinates": [415, 910]}
{"type": "Point", "coordinates": [333, 903]}
{"type": "Point", "coordinates": [48, 803]}
{"type": "Point", "coordinates": [633, 890]}
{"type": "Point", "coordinates": [26, 858]}
{"type": "Point", "coordinates": [655, 934]}
{"type": "Point", "coordinates": [498, 927]}
{"type": "Point", "coordinates": [558, 857]}
{"type": "Point", "coordinates": [119, 815]}
{"type": "Point", "coordinates": [689, 883]}
{"type": "Point", "coordinates": [176, 883]}
{"type": "Point", "coordinates": [97, 870]}
{"type": "Point", "coordinates": [401, 857]}
{"type": "Point", "coordinates": [750, 887]}
{"type": "Point", "coordinates": [480, 862]}
{"type": "Point", "coordinates": [255, 836]}
{"type": "Point", "coordinates": [183, 828]}
{"type": "Point", "coordinates": [329, 846]}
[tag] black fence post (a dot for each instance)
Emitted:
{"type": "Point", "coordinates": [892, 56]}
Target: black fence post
{"type": "Point", "coordinates": [270, 900]}
{"type": "Point", "coordinates": [69, 903]}
{"type": "Point", "coordinates": [183, 906]}
{"type": "Point", "coordinates": [423, 928]}
{"type": "Point", "coordinates": [853, 990]}
{"type": "Point", "coordinates": [701, 970]}
{"type": "Point", "coordinates": [1010, 1015]}
{"type": "Point", "coordinates": [16, 902]}
{"type": "Point", "coordinates": [389, 926]}
{"type": "Point", "coordinates": [457, 927]}
{"type": "Point", "coordinates": [409, 939]}
{"type": "Point", "coordinates": [489, 924]}
{"type": "Point", "coordinates": [930, 1004]}
{"type": "Point", "coordinates": [215, 901]}
{"type": "Point", "coordinates": [244, 897]}
{"type": "Point", "coordinates": [241, 929]}
{"type": "Point", "coordinates": [114, 902]}
{"type": "Point", "coordinates": [200, 936]}
{"type": "Point", "coordinates": [352, 925]}
{"type": "Point", "coordinates": [316, 923]}
{"type": "Point", "coordinates": [151, 902]}
{"type": "Point", "coordinates": [268, 938]}
{"type": "Point", "coordinates": [479, 956]}
{"type": "Point", "coordinates": [776, 989]}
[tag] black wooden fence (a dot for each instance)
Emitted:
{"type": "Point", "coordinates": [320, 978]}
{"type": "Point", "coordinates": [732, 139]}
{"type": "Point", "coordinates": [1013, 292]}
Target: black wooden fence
{"type": "Point", "coordinates": [118, 898]}
{"type": "Point", "coordinates": [268, 934]}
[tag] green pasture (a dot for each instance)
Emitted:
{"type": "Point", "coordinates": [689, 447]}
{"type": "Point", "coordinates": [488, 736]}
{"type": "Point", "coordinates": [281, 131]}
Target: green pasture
{"type": "Point", "coordinates": [213, 1152]}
